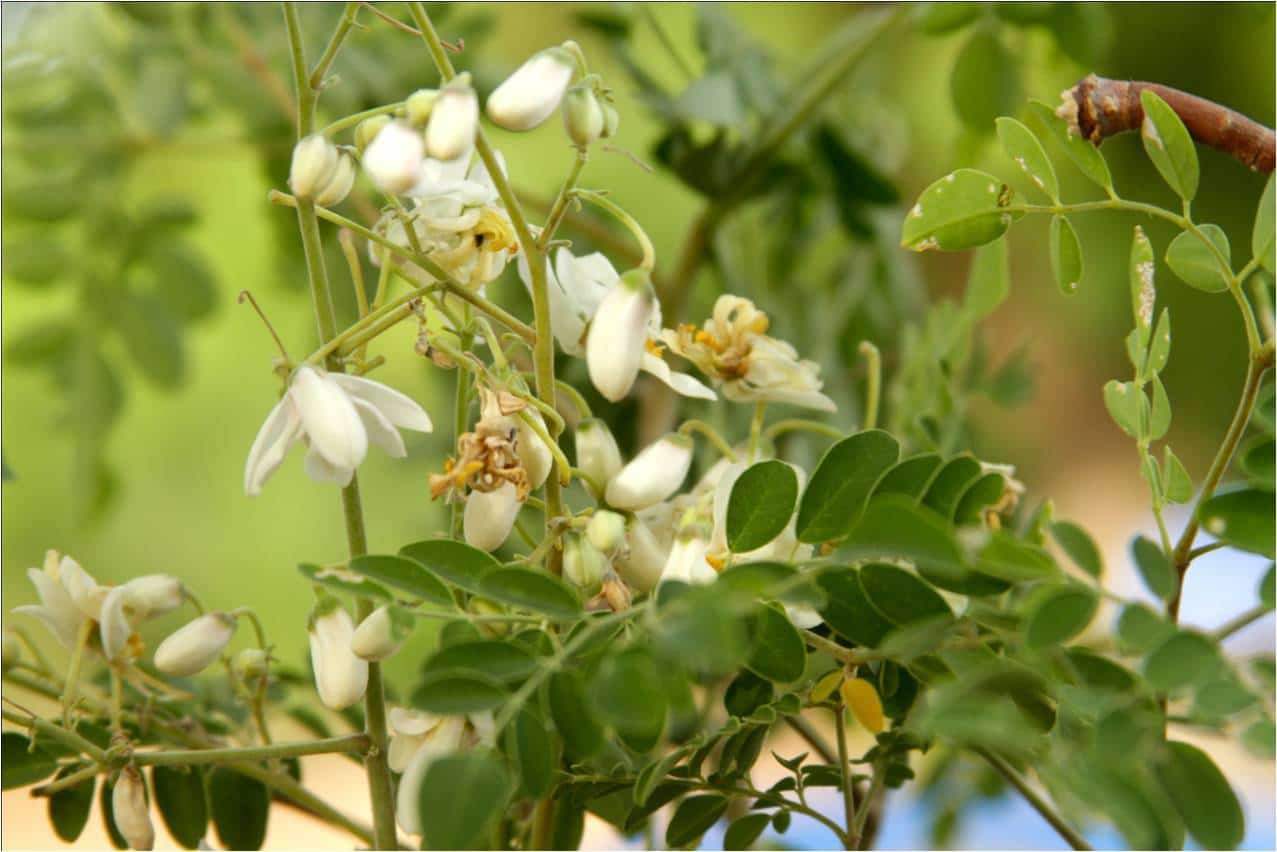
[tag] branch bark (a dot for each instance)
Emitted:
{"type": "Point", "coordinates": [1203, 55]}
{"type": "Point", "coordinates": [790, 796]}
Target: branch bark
{"type": "Point", "coordinates": [1098, 108]}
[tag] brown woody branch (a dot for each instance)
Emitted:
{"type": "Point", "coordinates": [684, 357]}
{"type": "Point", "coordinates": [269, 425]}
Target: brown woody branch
{"type": "Point", "coordinates": [1098, 108]}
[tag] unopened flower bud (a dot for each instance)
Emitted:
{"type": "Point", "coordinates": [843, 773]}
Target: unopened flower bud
{"type": "Point", "coordinates": [154, 594]}
{"type": "Point", "coordinates": [129, 809]}
{"type": "Point", "coordinates": [534, 455]}
{"type": "Point", "coordinates": [419, 106]}
{"type": "Point", "coordinates": [314, 162]}
{"type": "Point", "coordinates": [618, 335]}
{"type": "Point", "coordinates": [606, 530]}
{"type": "Point", "coordinates": [252, 663]}
{"type": "Point", "coordinates": [611, 121]}
{"type": "Point", "coordinates": [394, 159]}
{"type": "Point", "coordinates": [339, 187]}
{"type": "Point", "coordinates": [583, 117]}
{"type": "Point", "coordinates": [368, 130]}
{"type": "Point", "coordinates": [596, 451]}
{"type": "Point", "coordinates": [340, 677]}
{"type": "Point", "coordinates": [489, 516]}
{"type": "Point", "coordinates": [453, 121]}
{"type": "Point", "coordinates": [653, 475]}
{"type": "Point", "coordinates": [528, 96]}
{"type": "Point", "coordinates": [196, 646]}
{"type": "Point", "coordinates": [644, 558]}
{"type": "Point", "coordinates": [583, 564]}
{"type": "Point", "coordinates": [381, 634]}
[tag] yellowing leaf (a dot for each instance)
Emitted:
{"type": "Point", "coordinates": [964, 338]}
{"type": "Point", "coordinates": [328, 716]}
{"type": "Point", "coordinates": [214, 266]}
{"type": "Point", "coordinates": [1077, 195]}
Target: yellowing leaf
{"type": "Point", "coordinates": [825, 687]}
{"type": "Point", "coordinates": [863, 701]}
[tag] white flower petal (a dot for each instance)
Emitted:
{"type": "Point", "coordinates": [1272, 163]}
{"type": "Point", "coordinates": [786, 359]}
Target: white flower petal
{"type": "Point", "coordinates": [318, 469]}
{"type": "Point", "coordinates": [617, 340]}
{"type": "Point", "coordinates": [653, 475]}
{"type": "Point", "coordinates": [398, 408]}
{"type": "Point", "coordinates": [329, 419]}
{"type": "Point", "coordinates": [115, 627]}
{"type": "Point", "coordinates": [682, 383]}
{"type": "Point", "coordinates": [340, 677]}
{"type": "Point", "coordinates": [489, 516]}
{"type": "Point", "coordinates": [281, 429]}
{"type": "Point", "coordinates": [379, 429]}
{"type": "Point", "coordinates": [529, 95]}
{"type": "Point", "coordinates": [445, 739]}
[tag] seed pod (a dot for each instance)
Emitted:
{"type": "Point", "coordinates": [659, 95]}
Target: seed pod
{"type": "Point", "coordinates": [196, 646]}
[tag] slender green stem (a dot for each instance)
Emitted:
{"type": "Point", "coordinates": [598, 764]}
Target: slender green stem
{"type": "Point", "coordinates": [780, 427]}
{"type": "Point", "coordinates": [648, 260]}
{"type": "Point", "coordinates": [41, 727]}
{"type": "Point", "coordinates": [348, 744]}
{"type": "Point", "coordinates": [117, 701]}
{"type": "Point", "coordinates": [460, 422]}
{"type": "Point", "coordinates": [700, 426]}
{"type": "Point", "coordinates": [320, 71]}
{"type": "Point", "coordinates": [1240, 622]}
{"type": "Point", "coordinates": [851, 837]}
{"type": "Point", "coordinates": [73, 670]}
{"type": "Point", "coordinates": [866, 804]}
{"type": "Point", "coordinates": [560, 458]}
{"type": "Point", "coordinates": [357, 118]}
{"type": "Point", "coordinates": [67, 781]}
{"type": "Point", "coordinates": [348, 250]}
{"type": "Point", "coordinates": [1204, 549]}
{"type": "Point", "coordinates": [578, 401]}
{"type": "Point", "coordinates": [258, 699]}
{"type": "Point", "coordinates": [560, 207]}
{"type": "Point", "coordinates": [1259, 290]}
{"type": "Point", "coordinates": [1039, 803]}
{"type": "Point", "coordinates": [873, 382]}
{"type": "Point", "coordinates": [756, 428]}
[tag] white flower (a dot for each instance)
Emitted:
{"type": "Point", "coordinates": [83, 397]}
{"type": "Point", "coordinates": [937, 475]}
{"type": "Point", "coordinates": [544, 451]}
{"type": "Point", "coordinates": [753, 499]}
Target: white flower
{"type": "Point", "coordinates": [653, 475]}
{"type": "Point", "coordinates": [125, 608]}
{"type": "Point", "coordinates": [395, 159]}
{"type": "Point", "coordinates": [734, 350]}
{"type": "Point", "coordinates": [489, 516]}
{"type": "Point", "coordinates": [196, 646]}
{"type": "Point", "coordinates": [596, 451]}
{"type": "Point", "coordinates": [535, 456]}
{"type": "Point", "coordinates": [687, 561]}
{"type": "Point", "coordinates": [643, 559]}
{"type": "Point", "coordinates": [528, 96]}
{"type": "Point", "coordinates": [381, 634]}
{"type": "Point", "coordinates": [129, 809]}
{"type": "Point", "coordinates": [577, 287]}
{"type": "Point", "coordinates": [417, 740]}
{"type": "Point", "coordinates": [453, 121]}
{"type": "Point", "coordinates": [337, 415]}
{"type": "Point", "coordinates": [313, 166]}
{"type": "Point", "coordinates": [340, 676]}
{"type": "Point", "coordinates": [343, 180]}
{"type": "Point", "coordinates": [68, 597]}
{"type": "Point", "coordinates": [618, 335]}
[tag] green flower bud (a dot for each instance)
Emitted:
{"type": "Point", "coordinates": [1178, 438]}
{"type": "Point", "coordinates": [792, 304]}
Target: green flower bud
{"type": "Point", "coordinates": [611, 121]}
{"type": "Point", "coordinates": [252, 663]}
{"type": "Point", "coordinates": [419, 105]}
{"type": "Point", "coordinates": [583, 117]}
{"type": "Point", "coordinates": [605, 530]}
{"type": "Point", "coordinates": [583, 564]}
{"type": "Point", "coordinates": [368, 130]}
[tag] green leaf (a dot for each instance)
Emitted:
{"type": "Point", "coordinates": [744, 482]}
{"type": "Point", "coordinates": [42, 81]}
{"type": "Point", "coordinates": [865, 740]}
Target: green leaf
{"type": "Point", "coordinates": [894, 527]}
{"type": "Point", "coordinates": [700, 631]}
{"type": "Point", "coordinates": [627, 693]}
{"type": "Point", "coordinates": [349, 582]}
{"type": "Point", "coordinates": [1026, 151]}
{"type": "Point", "coordinates": [1080, 547]}
{"type": "Point", "coordinates": [240, 806]}
{"type": "Point", "coordinates": [573, 715]}
{"type": "Point", "coordinates": [1159, 420]}
{"type": "Point", "coordinates": [499, 660]}
{"type": "Point", "coordinates": [779, 652]}
{"type": "Point", "coordinates": [33, 257]}
{"type": "Point", "coordinates": [948, 486]}
{"type": "Point", "coordinates": [1139, 629]}
{"type": "Point", "coordinates": [160, 94]}
{"type": "Point", "coordinates": [1154, 567]}
{"type": "Point", "coordinates": [1066, 255]}
{"type": "Point", "coordinates": [21, 764]}
{"type": "Point", "coordinates": [743, 832]}
{"type": "Point", "coordinates": [457, 691]}
{"type": "Point", "coordinates": [761, 503]}
{"type": "Point", "coordinates": [453, 561]}
{"type": "Point", "coordinates": [1194, 261]}
{"type": "Point", "coordinates": [69, 809]}
{"type": "Point", "coordinates": [531, 748]}
{"type": "Point", "coordinates": [989, 280]}
{"type": "Point", "coordinates": [1159, 348]}
{"type": "Point", "coordinates": [847, 609]}
{"type": "Point", "coordinates": [1015, 561]}
{"type": "Point", "coordinates": [910, 476]}
{"type": "Point", "coordinates": [746, 693]}
{"type": "Point", "coordinates": [1177, 484]}
{"type": "Point", "coordinates": [984, 83]}
{"type": "Point", "coordinates": [1266, 588]}
{"type": "Point", "coordinates": [980, 495]}
{"type": "Point", "coordinates": [905, 644]}
{"type": "Point", "coordinates": [1257, 460]}
{"type": "Point", "coordinates": [1261, 235]}
{"type": "Point", "coordinates": [40, 342]}
{"type": "Point", "coordinates": [694, 816]}
{"type": "Point", "coordinates": [842, 482]}
{"type": "Point", "coordinates": [533, 590]}
{"type": "Point", "coordinates": [152, 337]}
{"type": "Point", "coordinates": [1168, 145]}
{"type": "Point", "coordinates": [938, 18]}
{"type": "Point", "coordinates": [962, 210]}
{"type": "Point", "coordinates": [460, 797]}
{"type": "Point", "coordinates": [179, 795]}
{"type": "Point", "coordinates": [1125, 402]}
{"type": "Point", "coordinates": [1185, 658]}
{"type": "Point", "coordinates": [713, 98]}
{"type": "Point", "coordinates": [1202, 795]}
{"type": "Point", "coordinates": [181, 278]}
{"type": "Point", "coordinates": [46, 198]}
{"type": "Point", "coordinates": [1243, 518]}
{"type": "Point", "coordinates": [899, 596]}
{"type": "Point", "coordinates": [1141, 270]}
{"type": "Point", "coordinates": [1260, 739]}
{"type": "Point", "coordinates": [1059, 615]}
{"type": "Point", "coordinates": [1084, 155]}
{"type": "Point", "coordinates": [767, 580]}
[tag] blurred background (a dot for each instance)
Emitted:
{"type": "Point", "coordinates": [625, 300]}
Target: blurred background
{"type": "Point", "coordinates": [140, 141]}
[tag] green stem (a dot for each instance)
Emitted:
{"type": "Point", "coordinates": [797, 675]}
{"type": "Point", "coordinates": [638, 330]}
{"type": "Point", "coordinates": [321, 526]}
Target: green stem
{"type": "Point", "coordinates": [73, 670]}
{"type": "Point", "coordinates": [560, 207]}
{"type": "Point", "coordinates": [71, 739]}
{"type": "Point", "coordinates": [709, 432]}
{"type": "Point", "coordinates": [348, 744]}
{"type": "Point", "coordinates": [359, 117]}
{"type": "Point", "coordinates": [1039, 803]}
{"type": "Point", "coordinates": [756, 428]}
{"type": "Point", "coordinates": [780, 427]}
{"type": "Point", "coordinates": [873, 382]}
{"type": "Point", "coordinates": [379, 782]}
{"type": "Point", "coordinates": [648, 260]}
{"type": "Point", "coordinates": [543, 824]}
{"type": "Point", "coordinates": [68, 781]}
{"type": "Point", "coordinates": [460, 422]}
{"type": "Point", "coordinates": [866, 804]}
{"type": "Point", "coordinates": [543, 352]}
{"type": "Point", "coordinates": [320, 71]}
{"type": "Point", "coordinates": [663, 36]}
{"type": "Point", "coordinates": [851, 838]}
